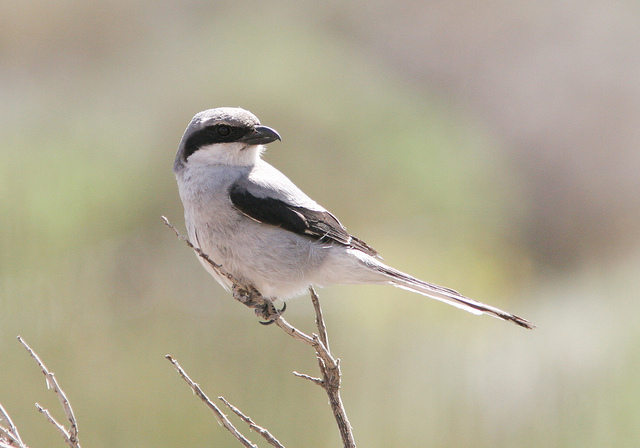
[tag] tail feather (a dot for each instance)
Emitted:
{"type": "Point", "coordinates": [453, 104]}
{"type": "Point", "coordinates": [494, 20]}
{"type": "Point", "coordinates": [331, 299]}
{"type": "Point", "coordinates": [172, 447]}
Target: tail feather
{"type": "Point", "coordinates": [405, 281]}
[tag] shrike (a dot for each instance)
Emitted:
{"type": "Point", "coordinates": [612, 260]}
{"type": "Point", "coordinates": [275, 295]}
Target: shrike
{"type": "Point", "coordinates": [252, 220]}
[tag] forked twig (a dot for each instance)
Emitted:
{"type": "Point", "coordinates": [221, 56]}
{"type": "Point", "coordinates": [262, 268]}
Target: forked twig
{"type": "Point", "coordinates": [329, 366]}
{"type": "Point", "coordinates": [71, 435]}
{"type": "Point", "coordinates": [224, 421]}
{"type": "Point", "coordinates": [9, 436]}
{"type": "Point", "coordinates": [259, 429]}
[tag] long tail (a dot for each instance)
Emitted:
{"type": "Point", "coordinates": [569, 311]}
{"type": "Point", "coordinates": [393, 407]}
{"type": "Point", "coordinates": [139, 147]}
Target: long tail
{"type": "Point", "coordinates": [405, 281]}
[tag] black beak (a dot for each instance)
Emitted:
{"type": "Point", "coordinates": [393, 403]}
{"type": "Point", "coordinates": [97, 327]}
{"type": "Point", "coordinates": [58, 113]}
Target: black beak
{"type": "Point", "coordinates": [261, 135]}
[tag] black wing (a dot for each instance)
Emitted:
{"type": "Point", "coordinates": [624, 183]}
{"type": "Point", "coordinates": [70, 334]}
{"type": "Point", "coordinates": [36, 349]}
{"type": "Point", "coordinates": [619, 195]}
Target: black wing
{"type": "Point", "coordinates": [318, 225]}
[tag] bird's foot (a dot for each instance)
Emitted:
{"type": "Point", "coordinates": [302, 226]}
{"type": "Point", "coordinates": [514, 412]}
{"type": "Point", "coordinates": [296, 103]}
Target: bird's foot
{"type": "Point", "coordinates": [252, 298]}
{"type": "Point", "coordinates": [248, 296]}
{"type": "Point", "coordinates": [269, 312]}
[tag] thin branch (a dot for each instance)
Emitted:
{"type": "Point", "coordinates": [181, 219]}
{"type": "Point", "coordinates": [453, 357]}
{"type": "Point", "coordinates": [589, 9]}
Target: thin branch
{"type": "Point", "coordinates": [313, 379]}
{"type": "Point", "coordinates": [61, 429]}
{"type": "Point", "coordinates": [330, 369]}
{"type": "Point", "coordinates": [322, 329]}
{"type": "Point", "coordinates": [71, 435]}
{"type": "Point", "coordinates": [329, 366]}
{"type": "Point", "coordinates": [197, 250]}
{"type": "Point", "coordinates": [246, 295]}
{"type": "Point", "coordinates": [313, 340]}
{"type": "Point", "coordinates": [266, 435]}
{"type": "Point", "coordinates": [297, 334]}
{"type": "Point", "coordinates": [224, 421]}
{"type": "Point", "coordinates": [9, 437]}
{"type": "Point", "coordinates": [5, 445]}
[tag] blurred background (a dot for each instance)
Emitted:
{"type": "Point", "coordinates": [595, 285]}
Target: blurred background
{"type": "Point", "coordinates": [487, 146]}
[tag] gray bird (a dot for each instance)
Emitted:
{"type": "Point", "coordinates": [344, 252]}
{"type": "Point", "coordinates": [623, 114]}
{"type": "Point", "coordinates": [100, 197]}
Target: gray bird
{"type": "Point", "coordinates": [252, 220]}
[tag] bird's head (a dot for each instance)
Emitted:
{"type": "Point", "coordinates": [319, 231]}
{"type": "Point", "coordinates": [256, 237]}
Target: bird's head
{"type": "Point", "coordinates": [223, 136]}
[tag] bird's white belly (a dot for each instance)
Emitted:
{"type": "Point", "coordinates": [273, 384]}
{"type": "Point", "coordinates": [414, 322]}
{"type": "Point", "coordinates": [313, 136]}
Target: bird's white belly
{"type": "Point", "coordinates": [278, 263]}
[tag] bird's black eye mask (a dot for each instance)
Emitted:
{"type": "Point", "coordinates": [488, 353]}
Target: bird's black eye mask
{"type": "Point", "coordinates": [219, 133]}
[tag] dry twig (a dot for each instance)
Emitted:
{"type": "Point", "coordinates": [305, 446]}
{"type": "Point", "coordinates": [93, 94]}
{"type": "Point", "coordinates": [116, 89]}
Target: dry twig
{"type": "Point", "coordinates": [9, 436]}
{"type": "Point", "coordinates": [245, 294]}
{"type": "Point", "coordinates": [224, 421]}
{"type": "Point", "coordinates": [71, 435]}
{"type": "Point", "coordinates": [260, 430]}
{"type": "Point", "coordinates": [329, 366]}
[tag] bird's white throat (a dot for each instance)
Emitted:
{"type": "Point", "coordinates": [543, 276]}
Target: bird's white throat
{"type": "Point", "coordinates": [231, 154]}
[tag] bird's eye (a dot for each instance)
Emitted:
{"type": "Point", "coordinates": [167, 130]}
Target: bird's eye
{"type": "Point", "coordinates": [223, 131]}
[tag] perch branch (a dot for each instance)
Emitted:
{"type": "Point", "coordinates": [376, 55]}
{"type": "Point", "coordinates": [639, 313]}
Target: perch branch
{"type": "Point", "coordinates": [199, 251]}
{"type": "Point", "coordinates": [322, 329]}
{"type": "Point", "coordinates": [329, 366]}
{"type": "Point", "coordinates": [247, 295]}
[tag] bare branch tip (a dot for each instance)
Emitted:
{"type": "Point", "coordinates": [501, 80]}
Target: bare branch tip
{"type": "Point", "coordinates": [313, 379]}
{"type": "Point", "coordinates": [171, 226]}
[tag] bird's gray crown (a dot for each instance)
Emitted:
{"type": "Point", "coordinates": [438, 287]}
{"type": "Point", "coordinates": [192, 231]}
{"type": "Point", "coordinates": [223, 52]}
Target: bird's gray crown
{"type": "Point", "coordinates": [232, 116]}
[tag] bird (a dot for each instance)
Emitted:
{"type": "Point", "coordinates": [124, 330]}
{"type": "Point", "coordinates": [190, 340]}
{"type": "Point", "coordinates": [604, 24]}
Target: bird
{"type": "Point", "coordinates": [264, 231]}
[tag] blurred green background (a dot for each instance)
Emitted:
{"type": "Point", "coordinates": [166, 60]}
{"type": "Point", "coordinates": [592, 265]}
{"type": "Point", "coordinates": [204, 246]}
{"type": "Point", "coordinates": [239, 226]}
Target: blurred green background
{"type": "Point", "coordinates": [487, 146]}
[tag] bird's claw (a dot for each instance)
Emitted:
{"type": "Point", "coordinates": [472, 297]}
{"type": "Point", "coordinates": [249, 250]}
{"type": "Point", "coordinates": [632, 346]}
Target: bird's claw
{"type": "Point", "coordinates": [269, 312]}
{"type": "Point", "coordinates": [264, 308]}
